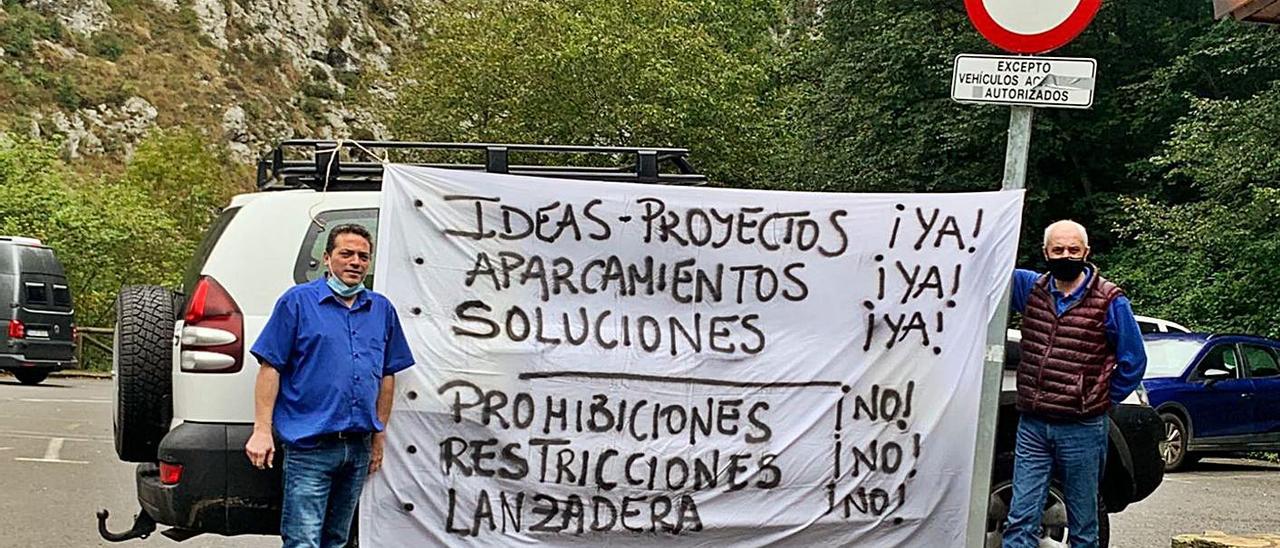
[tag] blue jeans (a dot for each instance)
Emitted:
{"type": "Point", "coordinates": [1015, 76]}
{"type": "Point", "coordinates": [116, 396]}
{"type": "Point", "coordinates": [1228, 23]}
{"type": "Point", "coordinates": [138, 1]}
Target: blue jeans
{"type": "Point", "coordinates": [1077, 450]}
{"type": "Point", "coordinates": [321, 487]}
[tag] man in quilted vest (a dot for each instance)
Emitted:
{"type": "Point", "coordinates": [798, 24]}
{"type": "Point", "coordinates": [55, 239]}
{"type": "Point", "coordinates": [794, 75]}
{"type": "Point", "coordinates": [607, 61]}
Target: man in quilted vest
{"type": "Point", "coordinates": [1081, 353]}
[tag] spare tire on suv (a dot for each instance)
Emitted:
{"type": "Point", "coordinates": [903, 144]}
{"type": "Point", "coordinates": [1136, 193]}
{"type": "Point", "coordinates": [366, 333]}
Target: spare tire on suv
{"type": "Point", "coordinates": [142, 362]}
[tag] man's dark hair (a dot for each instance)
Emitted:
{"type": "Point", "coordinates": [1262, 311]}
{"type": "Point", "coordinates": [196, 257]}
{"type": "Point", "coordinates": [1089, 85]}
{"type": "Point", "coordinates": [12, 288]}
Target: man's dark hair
{"type": "Point", "coordinates": [347, 229]}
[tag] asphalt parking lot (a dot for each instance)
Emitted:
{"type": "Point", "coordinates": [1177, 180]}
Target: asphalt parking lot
{"type": "Point", "coordinates": [1233, 495]}
{"type": "Point", "coordinates": [58, 467]}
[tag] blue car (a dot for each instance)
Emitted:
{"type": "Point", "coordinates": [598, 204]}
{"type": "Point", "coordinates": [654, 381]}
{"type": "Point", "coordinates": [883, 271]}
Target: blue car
{"type": "Point", "coordinates": [1215, 393]}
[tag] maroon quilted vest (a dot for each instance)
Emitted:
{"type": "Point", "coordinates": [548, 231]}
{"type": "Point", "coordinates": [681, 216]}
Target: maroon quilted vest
{"type": "Point", "coordinates": [1066, 361]}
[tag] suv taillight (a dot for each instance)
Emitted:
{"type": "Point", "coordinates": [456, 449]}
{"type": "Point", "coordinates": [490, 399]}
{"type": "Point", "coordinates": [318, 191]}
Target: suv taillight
{"type": "Point", "coordinates": [170, 473]}
{"type": "Point", "coordinates": [213, 336]}
{"type": "Point", "coordinates": [17, 330]}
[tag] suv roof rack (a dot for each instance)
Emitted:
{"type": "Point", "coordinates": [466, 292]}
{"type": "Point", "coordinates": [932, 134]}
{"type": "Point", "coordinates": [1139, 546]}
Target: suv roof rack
{"type": "Point", "coordinates": [304, 163]}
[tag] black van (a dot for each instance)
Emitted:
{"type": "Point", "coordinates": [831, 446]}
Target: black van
{"type": "Point", "coordinates": [37, 321]}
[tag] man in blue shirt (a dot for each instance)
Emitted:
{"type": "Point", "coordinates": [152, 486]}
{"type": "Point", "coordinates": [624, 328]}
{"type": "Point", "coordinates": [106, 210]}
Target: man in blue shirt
{"type": "Point", "coordinates": [328, 355]}
{"type": "Point", "coordinates": [1082, 353]}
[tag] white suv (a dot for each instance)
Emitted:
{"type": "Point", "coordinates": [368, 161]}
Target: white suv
{"type": "Point", "coordinates": [1157, 325]}
{"type": "Point", "coordinates": [184, 380]}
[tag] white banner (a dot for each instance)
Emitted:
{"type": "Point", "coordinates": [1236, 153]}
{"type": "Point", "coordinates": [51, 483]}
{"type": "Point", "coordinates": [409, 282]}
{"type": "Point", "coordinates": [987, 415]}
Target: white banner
{"type": "Point", "coordinates": [625, 364]}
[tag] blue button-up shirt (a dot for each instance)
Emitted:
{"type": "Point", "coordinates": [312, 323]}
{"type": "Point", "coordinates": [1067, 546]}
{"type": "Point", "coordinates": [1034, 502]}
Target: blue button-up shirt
{"type": "Point", "coordinates": [1122, 329]}
{"type": "Point", "coordinates": [331, 360]}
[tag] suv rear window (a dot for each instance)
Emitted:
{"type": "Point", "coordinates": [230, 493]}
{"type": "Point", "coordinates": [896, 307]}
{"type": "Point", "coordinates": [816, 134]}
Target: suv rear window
{"type": "Point", "coordinates": [309, 266]}
{"type": "Point", "coordinates": [205, 248]}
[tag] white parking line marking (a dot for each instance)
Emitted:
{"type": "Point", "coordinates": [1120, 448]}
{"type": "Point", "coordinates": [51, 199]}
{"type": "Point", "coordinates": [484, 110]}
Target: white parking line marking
{"type": "Point", "coordinates": [53, 461]}
{"type": "Point", "coordinates": [55, 447]}
{"type": "Point", "coordinates": [22, 419]}
{"type": "Point", "coordinates": [1231, 476]}
{"type": "Point", "coordinates": [51, 453]}
{"type": "Point", "coordinates": [5, 448]}
{"type": "Point", "coordinates": [44, 436]}
{"type": "Point", "coordinates": [45, 400]}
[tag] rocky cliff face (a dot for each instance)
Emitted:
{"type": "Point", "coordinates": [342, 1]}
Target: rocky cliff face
{"type": "Point", "coordinates": [101, 75]}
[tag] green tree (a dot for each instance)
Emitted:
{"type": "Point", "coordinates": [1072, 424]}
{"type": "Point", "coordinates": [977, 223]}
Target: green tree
{"type": "Point", "coordinates": [1211, 261]}
{"type": "Point", "coordinates": [881, 118]}
{"type": "Point", "coordinates": [107, 234]}
{"type": "Point", "coordinates": [136, 228]}
{"type": "Point", "coordinates": [186, 177]}
{"type": "Point", "coordinates": [651, 72]}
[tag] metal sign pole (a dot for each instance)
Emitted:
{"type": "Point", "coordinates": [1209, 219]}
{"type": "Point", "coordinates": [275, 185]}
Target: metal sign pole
{"type": "Point", "coordinates": [1015, 154]}
{"type": "Point", "coordinates": [1015, 178]}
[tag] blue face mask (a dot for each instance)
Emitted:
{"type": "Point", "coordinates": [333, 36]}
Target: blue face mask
{"type": "Point", "coordinates": [343, 290]}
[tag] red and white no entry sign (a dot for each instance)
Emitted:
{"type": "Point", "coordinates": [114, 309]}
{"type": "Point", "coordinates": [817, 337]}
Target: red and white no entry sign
{"type": "Point", "coordinates": [1031, 26]}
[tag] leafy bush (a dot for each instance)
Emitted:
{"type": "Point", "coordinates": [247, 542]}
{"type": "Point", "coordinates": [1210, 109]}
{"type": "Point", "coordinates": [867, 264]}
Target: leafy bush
{"type": "Point", "coordinates": [349, 78]}
{"type": "Point", "coordinates": [338, 30]}
{"type": "Point", "coordinates": [136, 228]}
{"type": "Point", "coordinates": [106, 233]}
{"type": "Point", "coordinates": [67, 94]}
{"type": "Point", "coordinates": [319, 90]}
{"type": "Point", "coordinates": [650, 72]}
{"type": "Point", "coordinates": [1210, 262]}
{"type": "Point", "coordinates": [109, 45]}
{"type": "Point", "coordinates": [20, 27]}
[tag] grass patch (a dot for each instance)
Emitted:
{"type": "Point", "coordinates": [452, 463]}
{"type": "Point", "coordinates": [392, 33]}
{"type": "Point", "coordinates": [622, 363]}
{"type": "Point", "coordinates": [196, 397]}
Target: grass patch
{"type": "Point", "coordinates": [1264, 456]}
{"type": "Point", "coordinates": [319, 90]}
{"type": "Point", "coordinates": [337, 31]}
{"type": "Point", "coordinates": [20, 27]}
{"type": "Point", "coordinates": [67, 94]}
{"type": "Point", "coordinates": [349, 78]}
{"type": "Point", "coordinates": [312, 107]}
{"type": "Point", "coordinates": [109, 45]}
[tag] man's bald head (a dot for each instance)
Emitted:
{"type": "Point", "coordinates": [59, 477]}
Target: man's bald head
{"type": "Point", "coordinates": [1066, 238]}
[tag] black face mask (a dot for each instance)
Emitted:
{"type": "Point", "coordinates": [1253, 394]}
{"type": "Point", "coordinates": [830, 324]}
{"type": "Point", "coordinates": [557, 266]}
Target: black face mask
{"type": "Point", "coordinates": [1065, 269]}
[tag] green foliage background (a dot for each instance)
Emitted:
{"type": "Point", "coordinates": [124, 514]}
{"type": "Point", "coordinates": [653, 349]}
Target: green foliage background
{"type": "Point", "coordinates": [138, 226]}
{"type": "Point", "coordinates": [1175, 170]}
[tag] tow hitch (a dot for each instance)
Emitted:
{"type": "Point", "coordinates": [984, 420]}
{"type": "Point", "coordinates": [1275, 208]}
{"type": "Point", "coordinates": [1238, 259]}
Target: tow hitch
{"type": "Point", "coordinates": [143, 526]}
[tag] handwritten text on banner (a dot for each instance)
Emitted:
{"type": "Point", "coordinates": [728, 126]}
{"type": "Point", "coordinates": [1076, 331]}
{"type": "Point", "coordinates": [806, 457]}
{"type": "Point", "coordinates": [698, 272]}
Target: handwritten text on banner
{"type": "Point", "coordinates": [625, 364]}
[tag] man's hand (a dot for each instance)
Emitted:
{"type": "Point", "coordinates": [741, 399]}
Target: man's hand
{"type": "Point", "coordinates": [375, 451]}
{"type": "Point", "coordinates": [261, 446]}
{"type": "Point", "coordinates": [261, 449]}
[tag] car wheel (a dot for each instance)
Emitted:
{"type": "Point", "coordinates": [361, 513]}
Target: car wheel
{"type": "Point", "coordinates": [1053, 532]}
{"type": "Point", "coordinates": [1176, 438]}
{"type": "Point", "coordinates": [142, 362]}
{"type": "Point", "coordinates": [31, 376]}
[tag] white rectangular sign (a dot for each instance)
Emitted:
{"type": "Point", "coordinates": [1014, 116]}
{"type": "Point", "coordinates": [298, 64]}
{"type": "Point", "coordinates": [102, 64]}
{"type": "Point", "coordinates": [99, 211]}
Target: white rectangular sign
{"type": "Point", "coordinates": [604, 364]}
{"type": "Point", "coordinates": [1024, 80]}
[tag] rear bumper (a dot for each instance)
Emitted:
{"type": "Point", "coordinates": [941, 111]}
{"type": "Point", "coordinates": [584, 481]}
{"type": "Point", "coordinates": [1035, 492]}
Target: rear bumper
{"type": "Point", "coordinates": [19, 361]}
{"type": "Point", "coordinates": [218, 492]}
